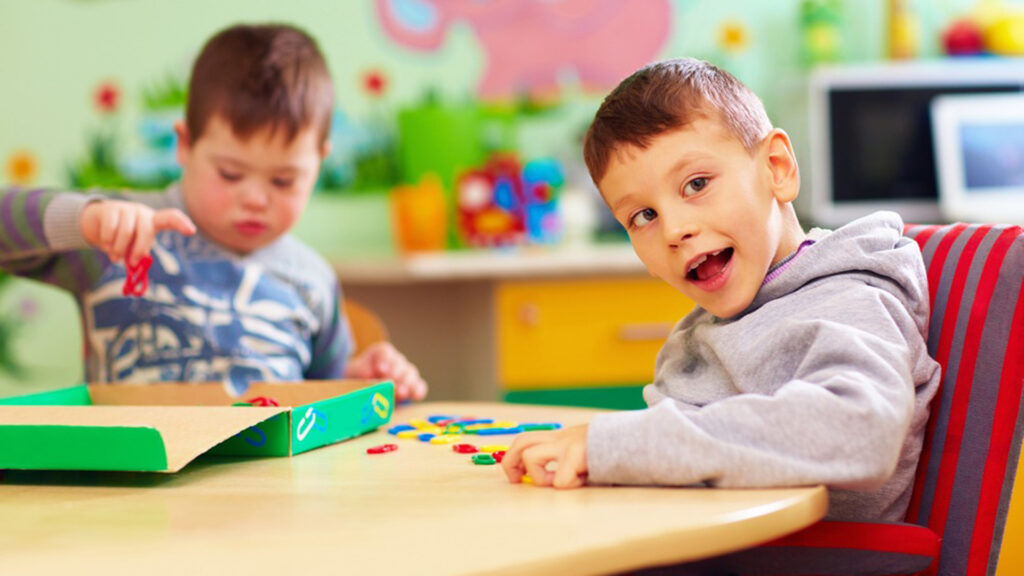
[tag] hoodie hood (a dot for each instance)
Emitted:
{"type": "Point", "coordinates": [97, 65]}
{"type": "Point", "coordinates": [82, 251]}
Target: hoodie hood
{"type": "Point", "coordinates": [872, 247]}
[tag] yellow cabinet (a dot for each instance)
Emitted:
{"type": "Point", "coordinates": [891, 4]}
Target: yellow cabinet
{"type": "Point", "coordinates": [582, 333]}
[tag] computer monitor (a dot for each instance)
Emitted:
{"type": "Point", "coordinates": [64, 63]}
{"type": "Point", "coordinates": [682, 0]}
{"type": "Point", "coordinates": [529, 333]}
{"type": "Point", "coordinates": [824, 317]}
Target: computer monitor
{"type": "Point", "coordinates": [979, 144]}
{"type": "Point", "coordinates": [871, 135]}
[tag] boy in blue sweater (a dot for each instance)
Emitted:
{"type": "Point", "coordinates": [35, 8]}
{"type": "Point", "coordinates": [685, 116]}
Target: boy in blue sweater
{"type": "Point", "coordinates": [231, 296]}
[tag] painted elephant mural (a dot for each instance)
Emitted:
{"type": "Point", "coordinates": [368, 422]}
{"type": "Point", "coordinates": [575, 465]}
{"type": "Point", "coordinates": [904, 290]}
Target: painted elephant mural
{"type": "Point", "coordinates": [529, 44]}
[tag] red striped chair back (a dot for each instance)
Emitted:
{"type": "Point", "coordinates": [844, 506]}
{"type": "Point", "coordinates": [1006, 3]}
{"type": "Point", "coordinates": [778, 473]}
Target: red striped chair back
{"type": "Point", "coordinates": [962, 493]}
{"type": "Point", "coordinates": [973, 442]}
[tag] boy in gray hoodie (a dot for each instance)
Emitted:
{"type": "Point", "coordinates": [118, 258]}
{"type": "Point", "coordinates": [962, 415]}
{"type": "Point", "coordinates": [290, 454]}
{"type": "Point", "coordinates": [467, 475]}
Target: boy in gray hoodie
{"type": "Point", "coordinates": [805, 360]}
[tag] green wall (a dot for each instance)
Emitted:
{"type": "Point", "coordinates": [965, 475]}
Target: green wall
{"type": "Point", "coordinates": [58, 51]}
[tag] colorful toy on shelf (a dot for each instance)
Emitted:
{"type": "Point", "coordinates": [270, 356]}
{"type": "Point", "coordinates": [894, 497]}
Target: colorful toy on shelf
{"type": "Point", "coordinates": [963, 38]}
{"type": "Point", "coordinates": [991, 26]}
{"type": "Point", "coordinates": [1005, 34]}
{"type": "Point", "coordinates": [503, 204]}
{"type": "Point", "coordinates": [819, 28]}
{"type": "Point", "coordinates": [541, 179]}
{"type": "Point", "coordinates": [419, 216]}
{"type": "Point", "coordinates": [904, 30]}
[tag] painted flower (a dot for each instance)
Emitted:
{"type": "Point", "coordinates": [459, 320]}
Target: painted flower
{"type": "Point", "coordinates": [22, 167]}
{"type": "Point", "coordinates": [733, 37]}
{"type": "Point", "coordinates": [375, 83]}
{"type": "Point", "coordinates": [107, 96]}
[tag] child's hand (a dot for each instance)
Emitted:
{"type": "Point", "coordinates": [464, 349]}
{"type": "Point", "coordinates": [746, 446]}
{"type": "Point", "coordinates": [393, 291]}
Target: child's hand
{"type": "Point", "coordinates": [531, 453]}
{"type": "Point", "coordinates": [125, 230]}
{"type": "Point", "coordinates": [383, 361]}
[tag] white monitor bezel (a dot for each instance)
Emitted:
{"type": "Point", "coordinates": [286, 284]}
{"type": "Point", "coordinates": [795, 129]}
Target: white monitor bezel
{"type": "Point", "coordinates": [946, 73]}
{"type": "Point", "coordinates": [957, 202]}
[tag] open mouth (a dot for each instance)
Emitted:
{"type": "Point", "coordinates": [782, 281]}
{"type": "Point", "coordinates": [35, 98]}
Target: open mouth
{"type": "Point", "coordinates": [708, 265]}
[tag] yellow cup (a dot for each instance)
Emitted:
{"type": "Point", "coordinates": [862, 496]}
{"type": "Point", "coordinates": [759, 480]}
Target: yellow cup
{"type": "Point", "coordinates": [419, 216]}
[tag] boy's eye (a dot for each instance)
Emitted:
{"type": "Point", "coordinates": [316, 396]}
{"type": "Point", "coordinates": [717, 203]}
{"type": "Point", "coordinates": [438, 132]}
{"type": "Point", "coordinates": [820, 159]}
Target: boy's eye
{"type": "Point", "coordinates": [695, 186]}
{"type": "Point", "coordinates": [643, 218]}
{"type": "Point", "coordinates": [282, 182]}
{"type": "Point", "coordinates": [229, 176]}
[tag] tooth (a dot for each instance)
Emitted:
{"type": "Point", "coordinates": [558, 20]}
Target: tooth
{"type": "Point", "coordinates": [698, 262]}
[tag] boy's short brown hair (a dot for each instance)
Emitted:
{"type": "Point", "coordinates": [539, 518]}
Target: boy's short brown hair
{"type": "Point", "coordinates": [667, 95]}
{"type": "Point", "coordinates": [261, 76]}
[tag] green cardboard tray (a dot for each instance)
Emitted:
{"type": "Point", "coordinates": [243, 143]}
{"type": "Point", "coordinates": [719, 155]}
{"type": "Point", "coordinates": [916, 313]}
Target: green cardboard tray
{"type": "Point", "coordinates": [162, 427]}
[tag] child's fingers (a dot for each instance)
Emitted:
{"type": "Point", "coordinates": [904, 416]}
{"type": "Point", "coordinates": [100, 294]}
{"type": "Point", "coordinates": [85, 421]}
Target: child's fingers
{"type": "Point", "coordinates": [173, 219]}
{"type": "Point", "coordinates": [418, 389]}
{"type": "Point", "coordinates": [387, 360]}
{"type": "Point", "coordinates": [125, 235]}
{"type": "Point", "coordinates": [535, 462]}
{"type": "Point", "coordinates": [358, 367]}
{"type": "Point", "coordinates": [571, 468]}
{"type": "Point", "coordinates": [144, 234]}
{"type": "Point", "coordinates": [402, 373]}
{"type": "Point", "coordinates": [412, 388]}
{"type": "Point", "coordinates": [512, 461]}
{"type": "Point", "coordinates": [511, 465]}
{"type": "Point", "coordinates": [108, 228]}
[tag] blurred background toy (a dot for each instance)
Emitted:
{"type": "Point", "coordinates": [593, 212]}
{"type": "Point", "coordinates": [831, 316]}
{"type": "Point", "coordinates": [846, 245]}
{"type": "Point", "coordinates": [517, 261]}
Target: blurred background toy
{"type": "Point", "coordinates": [1004, 36]}
{"type": "Point", "coordinates": [820, 38]}
{"type": "Point", "coordinates": [419, 216]}
{"type": "Point", "coordinates": [503, 204]}
{"type": "Point", "coordinates": [962, 38]}
{"type": "Point", "coordinates": [904, 30]}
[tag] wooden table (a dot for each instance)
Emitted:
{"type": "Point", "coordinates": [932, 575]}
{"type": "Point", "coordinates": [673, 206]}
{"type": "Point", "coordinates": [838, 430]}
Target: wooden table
{"type": "Point", "coordinates": [421, 510]}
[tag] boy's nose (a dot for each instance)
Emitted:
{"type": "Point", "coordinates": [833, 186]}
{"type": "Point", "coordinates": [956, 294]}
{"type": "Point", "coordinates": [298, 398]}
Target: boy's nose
{"type": "Point", "coordinates": [255, 197]}
{"type": "Point", "coordinates": [677, 231]}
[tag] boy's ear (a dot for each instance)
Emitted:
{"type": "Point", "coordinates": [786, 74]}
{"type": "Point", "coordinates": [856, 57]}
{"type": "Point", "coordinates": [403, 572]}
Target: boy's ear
{"type": "Point", "coordinates": [184, 145]}
{"type": "Point", "coordinates": [325, 149]}
{"type": "Point", "coordinates": [782, 168]}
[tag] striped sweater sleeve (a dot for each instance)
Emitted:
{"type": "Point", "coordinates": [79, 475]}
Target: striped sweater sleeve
{"type": "Point", "coordinates": [40, 238]}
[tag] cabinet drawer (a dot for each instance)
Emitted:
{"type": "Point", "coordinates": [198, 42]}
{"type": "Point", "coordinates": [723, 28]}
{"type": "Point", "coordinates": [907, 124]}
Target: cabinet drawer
{"type": "Point", "coordinates": [586, 332]}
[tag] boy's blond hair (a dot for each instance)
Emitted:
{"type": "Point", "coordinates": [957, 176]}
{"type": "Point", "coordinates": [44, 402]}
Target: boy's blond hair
{"type": "Point", "coordinates": [261, 76]}
{"type": "Point", "coordinates": [667, 95]}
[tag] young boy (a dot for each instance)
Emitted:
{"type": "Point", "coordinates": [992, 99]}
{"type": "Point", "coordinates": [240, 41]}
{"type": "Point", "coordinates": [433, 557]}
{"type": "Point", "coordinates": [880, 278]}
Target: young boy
{"type": "Point", "coordinates": [231, 297]}
{"type": "Point", "coordinates": [805, 361]}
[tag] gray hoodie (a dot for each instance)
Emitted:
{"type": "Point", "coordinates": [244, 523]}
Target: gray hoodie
{"type": "Point", "coordinates": [824, 379]}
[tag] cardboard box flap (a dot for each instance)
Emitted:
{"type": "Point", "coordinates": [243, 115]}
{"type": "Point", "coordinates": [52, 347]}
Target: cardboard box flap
{"type": "Point", "coordinates": [183, 432]}
{"type": "Point", "coordinates": [216, 394]}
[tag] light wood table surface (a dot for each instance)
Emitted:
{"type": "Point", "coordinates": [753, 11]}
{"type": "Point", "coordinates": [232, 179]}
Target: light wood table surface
{"type": "Point", "coordinates": [420, 510]}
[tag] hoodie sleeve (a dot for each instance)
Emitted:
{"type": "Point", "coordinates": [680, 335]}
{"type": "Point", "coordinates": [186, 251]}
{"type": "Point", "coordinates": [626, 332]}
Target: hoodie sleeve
{"type": "Point", "coordinates": [840, 420]}
{"type": "Point", "coordinates": [40, 238]}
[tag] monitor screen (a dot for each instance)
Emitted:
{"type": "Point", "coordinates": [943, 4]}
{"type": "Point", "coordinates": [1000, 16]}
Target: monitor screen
{"type": "Point", "coordinates": [871, 130]}
{"type": "Point", "coordinates": [979, 145]}
{"type": "Point", "coordinates": [882, 142]}
{"type": "Point", "coordinates": [992, 155]}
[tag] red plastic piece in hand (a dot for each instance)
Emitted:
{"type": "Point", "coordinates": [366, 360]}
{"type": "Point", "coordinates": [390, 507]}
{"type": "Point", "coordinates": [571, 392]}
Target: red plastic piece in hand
{"type": "Point", "coordinates": [137, 279]}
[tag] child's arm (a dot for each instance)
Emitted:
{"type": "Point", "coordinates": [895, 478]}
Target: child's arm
{"type": "Point", "coordinates": [44, 235]}
{"type": "Point", "coordinates": [842, 420]}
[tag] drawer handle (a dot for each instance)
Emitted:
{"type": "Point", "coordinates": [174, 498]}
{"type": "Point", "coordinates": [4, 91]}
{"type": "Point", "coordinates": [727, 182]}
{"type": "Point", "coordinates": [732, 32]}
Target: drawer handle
{"type": "Point", "coordinates": [653, 331]}
{"type": "Point", "coordinates": [529, 315]}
